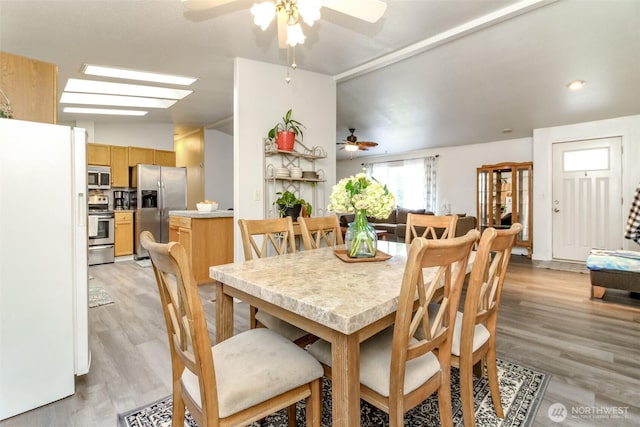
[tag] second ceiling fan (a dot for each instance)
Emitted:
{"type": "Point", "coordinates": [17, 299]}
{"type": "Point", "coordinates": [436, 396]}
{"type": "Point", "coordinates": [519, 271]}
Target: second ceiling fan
{"type": "Point", "coordinates": [351, 143]}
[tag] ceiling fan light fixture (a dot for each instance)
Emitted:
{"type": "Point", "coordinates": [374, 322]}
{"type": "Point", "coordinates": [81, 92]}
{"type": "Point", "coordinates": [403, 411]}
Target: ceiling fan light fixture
{"type": "Point", "coordinates": [351, 147]}
{"type": "Point", "coordinates": [294, 35]}
{"type": "Point", "coordinates": [309, 10]}
{"type": "Point", "coordinates": [263, 13]}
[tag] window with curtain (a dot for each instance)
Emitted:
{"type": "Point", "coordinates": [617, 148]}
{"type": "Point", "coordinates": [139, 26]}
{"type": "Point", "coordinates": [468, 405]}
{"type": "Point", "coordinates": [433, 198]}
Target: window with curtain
{"type": "Point", "coordinates": [413, 181]}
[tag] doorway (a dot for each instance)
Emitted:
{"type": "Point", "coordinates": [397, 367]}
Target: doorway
{"type": "Point", "coordinates": [587, 197]}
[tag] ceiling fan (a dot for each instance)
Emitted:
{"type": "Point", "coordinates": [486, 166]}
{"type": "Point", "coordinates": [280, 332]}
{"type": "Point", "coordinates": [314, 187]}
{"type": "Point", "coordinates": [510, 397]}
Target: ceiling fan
{"type": "Point", "coordinates": [351, 143]}
{"type": "Point", "coordinates": [288, 13]}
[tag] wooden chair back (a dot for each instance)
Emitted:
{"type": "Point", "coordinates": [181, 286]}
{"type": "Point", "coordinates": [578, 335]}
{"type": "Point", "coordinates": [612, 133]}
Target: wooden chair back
{"type": "Point", "coordinates": [189, 341]}
{"type": "Point", "coordinates": [446, 260]}
{"type": "Point", "coordinates": [260, 236]}
{"type": "Point", "coordinates": [430, 226]}
{"type": "Point", "coordinates": [480, 316]}
{"type": "Point", "coordinates": [320, 231]}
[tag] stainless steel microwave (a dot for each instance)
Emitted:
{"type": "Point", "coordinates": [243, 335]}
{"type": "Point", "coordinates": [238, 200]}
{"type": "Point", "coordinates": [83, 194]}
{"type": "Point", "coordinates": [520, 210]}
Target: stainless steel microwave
{"type": "Point", "coordinates": [98, 177]}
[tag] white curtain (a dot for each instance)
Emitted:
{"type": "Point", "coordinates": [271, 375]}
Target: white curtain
{"type": "Point", "coordinates": [413, 181]}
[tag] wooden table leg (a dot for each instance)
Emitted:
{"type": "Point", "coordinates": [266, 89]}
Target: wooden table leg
{"type": "Point", "coordinates": [224, 314]}
{"type": "Point", "coordinates": [345, 380]}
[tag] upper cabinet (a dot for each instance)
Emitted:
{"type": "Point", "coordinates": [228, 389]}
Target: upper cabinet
{"type": "Point", "coordinates": [164, 158]}
{"type": "Point", "coordinates": [140, 156]}
{"type": "Point", "coordinates": [98, 154]}
{"type": "Point", "coordinates": [30, 85]}
{"type": "Point", "coordinates": [504, 197]}
{"type": "Point", "coordinates": [119, 166]}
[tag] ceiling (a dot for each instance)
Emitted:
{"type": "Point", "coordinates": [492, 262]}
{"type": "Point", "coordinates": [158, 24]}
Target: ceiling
{"type": "Point", "coordinates": [429, 74]}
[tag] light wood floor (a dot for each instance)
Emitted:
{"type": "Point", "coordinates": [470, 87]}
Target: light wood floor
{"type": "Point", "coordinates": [591, 349]}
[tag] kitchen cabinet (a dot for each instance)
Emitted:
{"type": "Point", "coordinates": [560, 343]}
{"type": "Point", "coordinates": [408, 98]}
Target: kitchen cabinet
{"type": "Point", "coordinates": [119, 166]}
{"type": "Point", "coordinates": [31, 86]}
{"type": "Point", "coordinates": [139, 155]}
{"type": "Point", "coordinates": [164, 158]}
{"type": "Point", "coordinates": [504, 197]}
{"type": "Point", "coordinates": [207, 239]}
{"type": "Point", "coordinates": [98, 154]}
{"type": "Point", "coordinates": [306, 160]}
{"type": "Point", "coordinates": [123, 239]}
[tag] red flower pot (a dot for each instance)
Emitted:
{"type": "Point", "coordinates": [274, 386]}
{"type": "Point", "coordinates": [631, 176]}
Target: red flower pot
{"type": "Point", "coordinates": [285, 140]}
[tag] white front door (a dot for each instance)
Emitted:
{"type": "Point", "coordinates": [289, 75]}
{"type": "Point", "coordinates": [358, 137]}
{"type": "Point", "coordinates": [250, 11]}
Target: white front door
{"type": "Point", "coordinates": [587, 198]}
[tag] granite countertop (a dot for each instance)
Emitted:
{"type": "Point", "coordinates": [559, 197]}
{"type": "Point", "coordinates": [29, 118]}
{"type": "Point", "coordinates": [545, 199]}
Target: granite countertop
{"type": "Point", "coordinates": [198, 214]}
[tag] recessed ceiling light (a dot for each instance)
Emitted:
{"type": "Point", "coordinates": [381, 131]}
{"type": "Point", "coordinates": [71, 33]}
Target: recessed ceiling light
{"type": "Point", "coordinates": [105, 111]}
{"type": "Point", "coordinates": [122, 73]}
{"type": "Point", "coordinates": [576, 84]}
{"type": "Point", "coordinates": [95, 86]}
{"type": "Point", "coordinates": [115, 100]}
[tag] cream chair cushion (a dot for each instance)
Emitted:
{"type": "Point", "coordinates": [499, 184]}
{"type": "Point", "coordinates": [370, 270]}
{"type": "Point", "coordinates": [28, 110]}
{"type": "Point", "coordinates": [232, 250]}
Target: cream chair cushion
{"type": "Point", "coordinates": [375, 363]}
{"type": "Point", "coordinates": [253, 367]}
{"type": "Point", "coordinates": [480, 335]}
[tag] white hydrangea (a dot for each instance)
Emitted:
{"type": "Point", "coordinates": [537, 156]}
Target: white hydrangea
{"type": "Point", "coordinates": [358, 192]}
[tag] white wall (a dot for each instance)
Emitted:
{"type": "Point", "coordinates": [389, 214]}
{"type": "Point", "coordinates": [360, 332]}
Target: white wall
{"type": "Point", "coordinates": [628, 128]}
{"type": "Point", "coordinates": [147, 135]}
{"type": "Point", "coordinates": [456, 168]}
{"type": "Point", "coordinates": [261, 98]}
{"type": "Point", "coordinates": [218, 168]}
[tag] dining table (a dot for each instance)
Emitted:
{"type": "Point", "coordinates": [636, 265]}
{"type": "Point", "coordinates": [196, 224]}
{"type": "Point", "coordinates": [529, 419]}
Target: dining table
{"type": "Point", "coordinates": [341, 302]}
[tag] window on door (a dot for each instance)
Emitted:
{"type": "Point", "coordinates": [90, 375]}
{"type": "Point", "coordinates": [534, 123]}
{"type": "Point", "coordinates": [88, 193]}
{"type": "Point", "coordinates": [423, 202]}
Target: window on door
{"type": "Point", "coordinates": [596, 159]}
{"type": "Point", "coordinates": [413, 181]}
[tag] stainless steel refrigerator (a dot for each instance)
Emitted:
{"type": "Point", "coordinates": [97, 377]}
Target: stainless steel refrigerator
{"type": "Point", "coordinates": [160, 189]}
{"type": "Point", "coordinates": [44, 329]}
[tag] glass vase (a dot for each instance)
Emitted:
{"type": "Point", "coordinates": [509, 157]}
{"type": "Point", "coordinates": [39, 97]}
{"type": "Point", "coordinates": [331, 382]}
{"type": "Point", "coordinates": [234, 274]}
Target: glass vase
{"type": "Point", "coordinates": [361, 239]}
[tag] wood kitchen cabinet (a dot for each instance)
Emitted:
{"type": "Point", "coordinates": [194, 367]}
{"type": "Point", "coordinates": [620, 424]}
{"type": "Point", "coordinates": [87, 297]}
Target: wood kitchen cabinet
{"type": "Point", "coordinates": [139, 155]}
{"type": "Point", "coordinates": [119, 166]}
{"type": "Point", "coordinates": [207, 241]}
{"type": "Point", "coordinates": [31, 86]}
{"type": "Point", "coordinates": [164, 158]}
{"type": "Point", "coordinates": [123, 233]}
{"type": "Point", "coordinates": [98, 154]}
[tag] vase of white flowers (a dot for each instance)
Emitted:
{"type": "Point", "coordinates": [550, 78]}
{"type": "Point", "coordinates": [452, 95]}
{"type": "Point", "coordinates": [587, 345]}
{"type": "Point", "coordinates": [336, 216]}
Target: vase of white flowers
{"type": "Point", "coordinates": [366, 198]}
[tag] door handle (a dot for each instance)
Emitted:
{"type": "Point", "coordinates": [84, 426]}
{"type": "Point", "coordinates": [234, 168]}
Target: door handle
{"type": "Point", "coordinates": [556, 210]}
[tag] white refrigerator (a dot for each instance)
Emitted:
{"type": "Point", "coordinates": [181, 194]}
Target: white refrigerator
{"type": "Point", "coordinates": [44, 339]}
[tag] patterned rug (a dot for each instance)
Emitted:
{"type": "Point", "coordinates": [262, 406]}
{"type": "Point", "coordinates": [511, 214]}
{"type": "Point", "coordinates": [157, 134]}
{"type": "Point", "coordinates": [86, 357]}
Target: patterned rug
{"type": "Point", "coordinates": [98, 296]}
{"type": "Point", "coordinates": [521, 389]}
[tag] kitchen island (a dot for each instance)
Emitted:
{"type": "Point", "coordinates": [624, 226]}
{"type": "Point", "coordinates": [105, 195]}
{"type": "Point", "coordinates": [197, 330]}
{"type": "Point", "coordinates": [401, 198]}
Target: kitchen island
{"type": "Point", "coordinates": [206, 236]}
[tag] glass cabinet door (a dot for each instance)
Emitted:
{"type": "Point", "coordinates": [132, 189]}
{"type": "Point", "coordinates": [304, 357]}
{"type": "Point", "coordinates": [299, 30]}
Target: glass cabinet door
{"type": "Point", "coordinates": [502, 198]}
{"type": "Point", "coordinates": [524, 202]}
{"type": "Point", "coordinates": [483, 199]}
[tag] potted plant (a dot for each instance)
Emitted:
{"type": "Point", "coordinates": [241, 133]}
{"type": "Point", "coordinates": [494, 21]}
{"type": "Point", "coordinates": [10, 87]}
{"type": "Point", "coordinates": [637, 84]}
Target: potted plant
{"type": "Point", "coordinates": [307, 208]}
{"type": "Point", "coordinates": [289, 204]}
{"type": "Point", "coordinates": [285, 132]}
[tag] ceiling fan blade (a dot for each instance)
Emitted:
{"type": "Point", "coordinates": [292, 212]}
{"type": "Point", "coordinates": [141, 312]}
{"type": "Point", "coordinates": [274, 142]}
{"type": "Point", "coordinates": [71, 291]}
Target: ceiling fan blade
{"type": "Point", "coordinates": [367, 10]}
{"type": "Point", "coordinates": [282, 30]}
{"type": "Point", "coordinates": [367, 144]}
{"type": "Point", "coordinates": [203, 4]}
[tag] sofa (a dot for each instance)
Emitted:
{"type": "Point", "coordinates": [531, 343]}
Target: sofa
{"type": "Point", "coordinates": [396, 224]}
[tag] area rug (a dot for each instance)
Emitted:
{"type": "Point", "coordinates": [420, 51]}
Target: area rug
{"type": "Point", "coordinates": [521, 388]}
{"type": "Point", "coordinates": [574, 267]}
{"type": "Point", "coordinates": [98, 296]}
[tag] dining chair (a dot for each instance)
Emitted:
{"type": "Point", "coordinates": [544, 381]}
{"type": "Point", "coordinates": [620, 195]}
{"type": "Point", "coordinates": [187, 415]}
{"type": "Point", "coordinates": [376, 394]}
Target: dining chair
{"type": "Point", "coordinates": [430, 226]}
{"type": "Point", "coordinates": [320, 231]}
{"type": "Point", "coordinates": [398, 371]}
{"type": "Point", "coordinates": [270, 237]}
{"type": "Point", "coordinates": [474, 336]}
{"type": "Point", "coordinates": [239, 380]}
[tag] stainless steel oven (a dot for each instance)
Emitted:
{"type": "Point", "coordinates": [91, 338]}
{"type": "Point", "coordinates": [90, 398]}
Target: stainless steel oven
{"type": "Point", "coordinates": [98, 177]}
{"type": "Point", "coordinates": [101, 227]}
